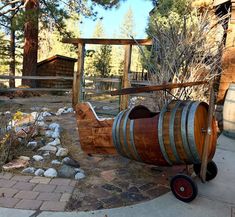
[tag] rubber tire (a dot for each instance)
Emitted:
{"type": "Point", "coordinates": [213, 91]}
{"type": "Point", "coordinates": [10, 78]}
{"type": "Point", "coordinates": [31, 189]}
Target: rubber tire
{"type": "Point", "coordinates": [211, 172]}
{"type": "Point", "coordinates": [192, 184]}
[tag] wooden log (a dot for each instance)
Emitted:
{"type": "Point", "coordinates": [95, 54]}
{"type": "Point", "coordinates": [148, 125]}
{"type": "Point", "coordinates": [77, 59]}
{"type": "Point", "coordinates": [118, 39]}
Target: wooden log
{"type": "Point", "coordinates": [156, 88]}
{"type": "Point", "coordinates": [107, 41]}
{"type": "Point", "coordinates": [95, 134]}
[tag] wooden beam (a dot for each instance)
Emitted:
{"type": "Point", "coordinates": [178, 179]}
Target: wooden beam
{"type": "Point", "coordinates": [155, 88]}
{"type": "Point", "coordinates": [107, 41]}
{"type": "Point", "coordinates": [4, 90]}
{"type": "Point", "coordinates": [78, 76]}
{"type": "Point", "coordinates": [208, 134]}
{"type": "Point", "coordinates": [36, 77]}
{"type": "Point", "coordinates": [125, 80]}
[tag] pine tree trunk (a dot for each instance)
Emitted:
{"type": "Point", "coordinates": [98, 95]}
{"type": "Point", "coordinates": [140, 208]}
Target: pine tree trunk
{"type": "Point", "coordinates": [30, 42]}
{"type": "Point", "coordinates": [12, 54]}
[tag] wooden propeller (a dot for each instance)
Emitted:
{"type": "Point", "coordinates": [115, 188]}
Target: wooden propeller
{"type": "Point", "coordinates": [126, 91]}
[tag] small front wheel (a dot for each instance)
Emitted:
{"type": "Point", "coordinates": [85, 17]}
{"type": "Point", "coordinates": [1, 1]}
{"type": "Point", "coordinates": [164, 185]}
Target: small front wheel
{"type": "Point", "coordinates": [184, 188]}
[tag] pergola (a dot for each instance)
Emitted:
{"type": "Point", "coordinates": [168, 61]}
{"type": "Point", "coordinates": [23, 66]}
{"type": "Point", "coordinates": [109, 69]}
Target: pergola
{"type": "Point", "coordinates": [78, 75]}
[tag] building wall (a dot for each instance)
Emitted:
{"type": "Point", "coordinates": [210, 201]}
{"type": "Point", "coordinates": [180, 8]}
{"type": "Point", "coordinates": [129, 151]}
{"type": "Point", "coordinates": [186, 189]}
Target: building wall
{"type": "Point", "coordinates": [56, 66]}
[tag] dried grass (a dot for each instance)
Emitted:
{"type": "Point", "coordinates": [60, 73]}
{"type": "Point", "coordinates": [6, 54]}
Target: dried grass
{"type": "Point", "coordinates": [185, 50]}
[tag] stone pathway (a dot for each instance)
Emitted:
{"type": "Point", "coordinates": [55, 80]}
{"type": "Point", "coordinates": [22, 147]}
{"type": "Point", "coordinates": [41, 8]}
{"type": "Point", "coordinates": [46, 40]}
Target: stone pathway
{"type": "Point", "coordinates": [35, 193]}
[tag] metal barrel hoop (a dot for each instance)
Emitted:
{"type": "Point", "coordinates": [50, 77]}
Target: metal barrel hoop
{"type": "Point", "coordinates": [190, 131]}
{"type": "Point", "coordinates": [114, 130]}
{"type": "Point", "coordinates": [127, 151]}
{"type": "Point", "coordinates": [117, 134]}
{"type": "Point", "coordinates": [171, 132]}
{"type": "Point", "coordinates": [160, 134]}
{"type": "Point", "coordinates": [133, 141]}
{"type": "Point", "coordinates": [184, 122]}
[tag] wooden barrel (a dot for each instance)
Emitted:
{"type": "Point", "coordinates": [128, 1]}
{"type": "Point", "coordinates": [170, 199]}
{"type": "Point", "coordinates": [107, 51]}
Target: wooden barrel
{"type": "Point", "coordinates": [229, 112]}
{"type": "Point", "coordinates": [182, 130]}
{"type": "Point", "coordinates": [137, 139]}
{"type": "Point", "coordinates": [175, 136]}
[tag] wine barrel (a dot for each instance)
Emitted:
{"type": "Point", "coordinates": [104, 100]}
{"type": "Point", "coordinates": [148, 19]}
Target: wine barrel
{"type": "Point", "coordinates": [229, 112]}
{"type": "Point", "coordinates": [174, 136]}
{"type": "Point", "coordinates": [182, 129]}
{"type": "Point", "coordinates": [137, 138]}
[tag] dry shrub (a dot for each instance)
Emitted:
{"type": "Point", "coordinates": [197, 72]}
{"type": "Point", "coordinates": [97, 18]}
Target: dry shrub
{"type": "Point", "coordinates": [185, 50]}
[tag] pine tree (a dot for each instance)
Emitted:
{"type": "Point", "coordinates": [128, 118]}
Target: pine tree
{"type": "Point", "coordinates": [56, 11]}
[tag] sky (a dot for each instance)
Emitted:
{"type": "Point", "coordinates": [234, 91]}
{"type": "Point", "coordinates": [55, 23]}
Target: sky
{"type": "Point", "coordinates": [113, 18]}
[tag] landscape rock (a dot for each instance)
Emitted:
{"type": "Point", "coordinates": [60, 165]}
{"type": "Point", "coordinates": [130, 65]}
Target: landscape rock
{"type": "Point", "coordinates": [46, 155]}
{"type": "Point", "coordinates": [51, 172]}
{"type": "Point", "coordinates": [70, 110]}
{"type": "Point", "coordinates": [48, 148]}
{"type": "Point", "coordinates": [66, 171]}
{"type": "Point", "coordinates": [56, 134]}
{"type": "Point", "coordinates": [37, 158]}
{"type": "Point", "coordinates": [55, 142]}
{"type": "Point", "coordinates": [62, 152]}
{"type": "Point", "coordinates": [79, 176]}
{"type": "Point", "coordinates": [37, 116]}
{"type": "Point", "coordinates": [39, 172]}
{"type": "Point", "coordinates": [70, 162]}
{"type": "Point", "coordinates": [25, 158]}
{"type": "Point", "coordinates": [29, 170]}
{"type": "Point", "coordinates": [60, 111]}
{"type": "Point", "coordinates": [49, 133]}
{"type": "Point", "coordinates": [15, 164]}
{"type": "Point", "coordinates": [78, 170]}
{"type": "Point", "coordinates": [42, 124]}
{"type": "Point", "coordinates": [56, 162]}
{"type": "Point", "coordinates": [46, 114]}
{"type": "Point", "coordinates": [54, 126]}
{"type": "Point", "coordinates": [32, 145]}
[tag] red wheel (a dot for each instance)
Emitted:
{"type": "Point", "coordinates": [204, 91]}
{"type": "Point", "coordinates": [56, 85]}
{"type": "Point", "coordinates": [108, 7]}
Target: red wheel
{"type": "Point", "coordinates": [184, 188]}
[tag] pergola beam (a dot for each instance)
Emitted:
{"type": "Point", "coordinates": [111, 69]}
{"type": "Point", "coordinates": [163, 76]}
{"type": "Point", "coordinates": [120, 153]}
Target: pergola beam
{"type": "Point", "coordinates": [107, 41]}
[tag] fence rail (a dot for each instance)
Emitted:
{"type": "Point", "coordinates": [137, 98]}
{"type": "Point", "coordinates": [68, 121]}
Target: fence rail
{"type": "Point", "coordinates": [36, 77]}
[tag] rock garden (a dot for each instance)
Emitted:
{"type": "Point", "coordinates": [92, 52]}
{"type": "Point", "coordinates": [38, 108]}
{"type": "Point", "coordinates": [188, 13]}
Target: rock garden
{"type": "Point", "coordinates": [45, 143]}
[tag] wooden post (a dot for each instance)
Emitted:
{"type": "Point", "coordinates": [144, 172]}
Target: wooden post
{"type": "Point", "coordinates": [208, 135]}
{"type": "Point", "coordinates": [78, 75]}
{"type": "Point", "coordinates": [125, 80]}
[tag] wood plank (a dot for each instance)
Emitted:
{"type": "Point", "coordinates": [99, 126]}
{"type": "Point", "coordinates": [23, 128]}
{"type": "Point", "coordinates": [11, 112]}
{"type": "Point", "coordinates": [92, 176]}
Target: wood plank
{"type": "Point", "coordinates": [78, 76]}
{"type": "Point", "coordinates": [33, 89]}
{"type": "Point", "coordinates": [208, 134]}
{"type": "Point", "coordinates": [155, 88]}
{"type": "Point", "coordinates": [36, 77]}
{"type": "Point", "coordinates": [108, 80]}
{"type": "Point", "coordinates": [125, 80]}
{"type": "Point", "coordinates": [107, 41]}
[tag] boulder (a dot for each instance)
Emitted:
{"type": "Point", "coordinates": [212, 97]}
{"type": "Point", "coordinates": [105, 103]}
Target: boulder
{"type": "Point", "coordinates": [66, 171]}
{"type": "Point", "coordinates": [55, 142]}
{"type": "Point", "coordinates": [39, 172]}
{"type": "Point", "coordinates": [48, 148]}
{"type": "Point", "coordinates": [79, 176]}
{"type": "Point", "coordinates": [62, 152]}
{"type": "Point", "coordinates": [56, 162]}
{"type": "Point", "coordinates": [28, 170]}
{"type": "Point", "coordinates": [51, 172]}
{"type": "Point", "coordinates": [70, 162]}
{"type": "Point", "coordinates": [38, 158]}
